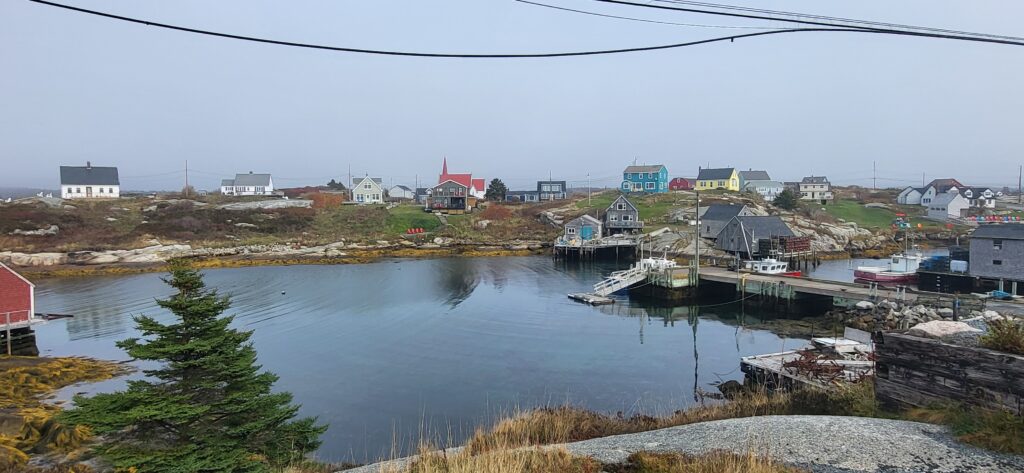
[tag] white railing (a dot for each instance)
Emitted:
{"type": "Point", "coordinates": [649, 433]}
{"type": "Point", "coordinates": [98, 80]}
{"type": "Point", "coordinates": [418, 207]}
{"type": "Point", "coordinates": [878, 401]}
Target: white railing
{"type": "Point", "coordinates": [620, 280]}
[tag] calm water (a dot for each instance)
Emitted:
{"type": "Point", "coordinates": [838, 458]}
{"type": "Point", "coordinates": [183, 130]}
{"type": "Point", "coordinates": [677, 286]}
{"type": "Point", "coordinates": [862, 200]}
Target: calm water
{"type": "Point", "coordinates": [389, 350]}
{"type": "Point", "coordinates": [842, 270]}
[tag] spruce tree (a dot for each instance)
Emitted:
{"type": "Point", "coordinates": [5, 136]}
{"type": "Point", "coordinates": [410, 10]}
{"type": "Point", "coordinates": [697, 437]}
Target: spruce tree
{"type": "Point", "coordinates": [496, 190]}
{"type": "Point", "coordinates": [208, 407]}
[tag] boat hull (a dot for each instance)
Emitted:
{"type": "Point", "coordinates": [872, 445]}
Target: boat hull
{"type": "Point", "coordinates": [885, 276]}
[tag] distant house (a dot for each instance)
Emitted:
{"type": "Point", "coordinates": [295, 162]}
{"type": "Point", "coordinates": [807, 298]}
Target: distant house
{"type": "Point", "coordinates": [742, 235]}
{"type": "Point", "coordinates": [910, 196]}
{"type": "Point", "coordinates": [368, 190]}
{"type": "Point", "coordinates": [938, 187]}
{"type": "Point", "coordinates": [401, 193]}
{"type": "Point", "coordinates": [682, 184]}
{"type": "Point", "coordinates": [649, 179]}
{"type": "Point", "coordinates": [947, 205]}
{"type": "Point", "coordinates": [769, 190]}
{"type": "Point", "coordinates": [751, 175]}
{"type": "Point", "coordinates": [451, 197]}
{"type": "Point", "coordinates": [816, 188]}
{"type": "Point", "coordinates": [583, 228]}
{"type": "Point", "coordinates": [979, 197]}
{"type": "Point", "coordinates": [997, 254]}
{"type": "Point", "coordinates": [477, 187]}
{"type": "Point", "coordinates": [546, 190]}
{"type": "Point", "coordinates": [718, 178]}
{"type": "Point", "coordinates": [422, 193]}
{"type": "Point", "coordinates": [713, 218]}
{"type": "Point", "coordinates": [622, 217]}
{"type": "Point", "coordinates": [89, 182]}
{"type": "Point", "coordinates": [17, 300]}
{"type": "Point", "coordinates": [248, 184]}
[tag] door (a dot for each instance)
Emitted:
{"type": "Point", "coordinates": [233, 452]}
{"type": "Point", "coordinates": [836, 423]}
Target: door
{"type": "Point", "coordinates": [88, 191]}
{"type": "Point", "coordinates": [586, 232]}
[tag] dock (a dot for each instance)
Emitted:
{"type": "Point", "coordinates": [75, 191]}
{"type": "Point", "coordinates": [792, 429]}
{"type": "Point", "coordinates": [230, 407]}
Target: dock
{"type": "Point", "coordinates": [827, 363]}
{"type": "Point", "coordinates": [616, 246]}
{"type": "Point", "coordinates": [788, 287]}
{"type": "Point", "coordinates": [592, 299]}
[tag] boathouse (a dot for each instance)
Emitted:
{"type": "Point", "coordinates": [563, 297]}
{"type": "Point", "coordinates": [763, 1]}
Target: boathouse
{"type": "Point", "coordinates": [713, 218]}
{"type": "Point", "coordinates": [583, 228]}
{"type": "Point", "coordinates": [742, 235]}
{"type": "Point", "coordinates": [996, 256]}
{"type": "Point", "coordinates": [17, 299]}
{"type": "Point", "coordinates": [622, 217]}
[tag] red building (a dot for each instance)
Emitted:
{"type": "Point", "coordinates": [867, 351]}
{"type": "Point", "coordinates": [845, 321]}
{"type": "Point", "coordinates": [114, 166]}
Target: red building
{"type": "Point", "coordinates": [681, 184]}
{"type": "Point", "coordinates": [17, 299]}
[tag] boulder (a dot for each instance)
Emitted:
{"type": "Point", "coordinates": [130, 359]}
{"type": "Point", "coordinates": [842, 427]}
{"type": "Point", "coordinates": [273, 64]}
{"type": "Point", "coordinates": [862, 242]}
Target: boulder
{"type": "Point", "coordinates": [48, 231]}
{"type": "Point", "coordinates": [865, 305]}
{"type": "Point", "coordinates": [945, 313]}
{"type": "Point", "coordinates": [245, 225]}
{"type": "Point", "coordinates": [940, 329]}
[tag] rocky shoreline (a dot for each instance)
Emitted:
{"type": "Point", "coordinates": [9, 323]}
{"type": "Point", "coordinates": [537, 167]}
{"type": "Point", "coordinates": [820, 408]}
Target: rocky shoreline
{"type": "Point", "coordinates": [151, 258]}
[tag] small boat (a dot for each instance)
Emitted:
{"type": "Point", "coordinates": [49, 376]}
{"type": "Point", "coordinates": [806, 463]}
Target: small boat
{"type": "Point", "coordinates": [900, 268]}
{"type": "Point", "coordinates": [770, 266]}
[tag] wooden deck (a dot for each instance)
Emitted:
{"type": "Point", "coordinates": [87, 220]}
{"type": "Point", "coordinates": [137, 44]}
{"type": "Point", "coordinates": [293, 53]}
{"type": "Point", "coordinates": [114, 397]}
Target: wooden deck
{"type": "Point", "coordinates": [754, 283]}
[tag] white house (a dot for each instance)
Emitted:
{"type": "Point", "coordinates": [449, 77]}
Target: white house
{"type": "Point", "coordinates": [248, 184]}
{"type": "Point", "coordinates": [816, 188]}
{"type": "Point", "coordinates": [910, 196]}
{"type": "Point", "coordinates": [368, 190]}
{"type": "Point", "coordinates": [980, 197]}
{"type": "Point", "coordinates": [767, 189]}
{"type": "Point", "coordinates": [89, 182]}
{"type": "Point", "coordinates": [401, 193]}
{"type": "Point", "coordinates": [947, 205]}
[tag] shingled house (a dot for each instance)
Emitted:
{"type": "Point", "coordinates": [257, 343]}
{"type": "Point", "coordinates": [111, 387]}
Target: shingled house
{"type": "Point", "coordinates": [248, 184]}
{"type": "Point", "coordinates": [742, 235]}
{"type": "Point", "coordinates": [622, 217]}
{"type": "Point", "coordinates": [713, 218]}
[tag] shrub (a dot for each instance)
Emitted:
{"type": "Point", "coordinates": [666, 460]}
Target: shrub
{"type": "Point", "coordinates": [496, 212]}
{"type": "Point", "coordinates": [1005, 335]}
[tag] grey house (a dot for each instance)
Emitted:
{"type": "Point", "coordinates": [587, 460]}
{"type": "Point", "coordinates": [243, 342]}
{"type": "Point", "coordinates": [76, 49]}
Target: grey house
{"type": "Point", "coordinates": [583, 228]}
{"type": "Point", "coordinates": [622, 217]}
{"type": "Point", "coordinates": [742, 235]}
{"type": "Point", "coordinates": [248, 184]}
{"type": "Point", "coordinates": [751, 175]}
{"type": "Point", "coordinates": [714, 217]}
{"type": "Point", "coordinates": [997, 255]}
{"type": "Point", "coordinates": [546, 190]}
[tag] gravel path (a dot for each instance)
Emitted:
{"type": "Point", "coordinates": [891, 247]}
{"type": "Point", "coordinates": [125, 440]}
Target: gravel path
{"type": "Point", "coordinates": [824, 444]}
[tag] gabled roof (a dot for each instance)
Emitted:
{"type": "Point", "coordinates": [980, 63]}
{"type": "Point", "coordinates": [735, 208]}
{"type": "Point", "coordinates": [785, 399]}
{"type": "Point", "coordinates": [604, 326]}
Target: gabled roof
{"type": "Point", "coordinates": [480, 184]}
{"type": "Point", "coordinates": [89, 175]}
{"type": "Point", "coordinates": [359, 180]}
{"type": "Point", "coordinates": [4, 267]}
{"type": "Point", "coordinates": [755, 176]}
{"type": "Point", "coordinates": [762, 183]}
{"type": "Point", "coordinates": [715, 174]}
{"type": "Point", "coordinates": [687, 179]}
{"type": "Point", "coordinates": [1006, 231]}
{"type": "Point", "coordinates": [721, 212]}
{"type": "Point", "coordinates": [764, 226]}
{"type": "Point", "coordinates": [584, 218]}
{"type": "Point", "coordinates": [645, 168]}
{"type": "Point", "coordinates": [623, 199]}
{"type": "Point", "coordinates": [946, 198]}
{"type": "Point", "coordinates": [404, 188]}
{"type": "Point", "coordinates": [453, 181]}
{"type": "Point", "coordinates": [814, 180]}
{"type": "Point", "coordinates": [943, 185]}
{"type": "Point", "coordinates": [251, 179]}
{"type": "Point", "coordinates": [976, 191]}
{"type": "Point", "coordinates": [227, 182]}
{"type": "Point", "coordinates": [421, 190]}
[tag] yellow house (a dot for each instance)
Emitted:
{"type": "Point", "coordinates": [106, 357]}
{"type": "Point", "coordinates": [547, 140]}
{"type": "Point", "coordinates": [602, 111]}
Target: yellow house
{"type": "Point", "coordinates": [720, 178]}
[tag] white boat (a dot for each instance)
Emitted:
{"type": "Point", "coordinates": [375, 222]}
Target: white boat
{"type": "Point", "coordinates": [770, 266]}
{"type": "Point", "coordinates": [900, 268]}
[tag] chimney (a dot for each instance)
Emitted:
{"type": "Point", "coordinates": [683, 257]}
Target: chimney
{"type": "Point", "coordinates": [88, 165]}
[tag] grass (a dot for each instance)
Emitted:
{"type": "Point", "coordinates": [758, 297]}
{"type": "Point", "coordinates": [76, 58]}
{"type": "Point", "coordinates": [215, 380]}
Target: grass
{"type": "Point", "coordinates": [853, 211]}
{"type": "Point", "coordinates": [505, 460]}
{"type": "Point", "coordinates": [712, 462]}
{"type": "Point", "coordinates": [1005, 335]}
{"type": "Point", "coordinates": [404, 217]}
{"type": "Point", "coordinates": [999, 431]}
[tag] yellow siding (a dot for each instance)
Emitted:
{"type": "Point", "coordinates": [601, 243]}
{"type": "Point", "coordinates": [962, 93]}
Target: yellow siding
{"type": "Point", "coordinates": [732, 184]}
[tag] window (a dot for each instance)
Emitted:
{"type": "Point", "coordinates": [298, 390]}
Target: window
{"type": "Point", "coordinates": [625, 186]}
{"type": "Point", "coordinates": [620, 206]}
{"type": "Point", "coordinates": [614, 218]}
{"type": "Point", "coordinates": [650, 185]}
{"type": "Point", "coordinates": [101, 190]}
{"type": "Point", "coordinates": [570, 230]}
{"type": "Point", "coordinates": [111, 190]}
{"type": "Point", "coordinates": [367, 186]}
{"type": "Point", "coordinates": [997, 244]}
{"type": "Point", "coordinates": [997, 262]}
{"type": "Point", "coordinates": [626, 218]}
{"type": "Point", "coordinates": [721, 183]}
{"type": "Point", "coordinates": [78, 190]}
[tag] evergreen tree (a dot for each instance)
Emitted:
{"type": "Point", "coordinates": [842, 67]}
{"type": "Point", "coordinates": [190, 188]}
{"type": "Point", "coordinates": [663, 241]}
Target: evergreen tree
{"type": "Point", "coordinates": [208, 407]}
{"type": "Point", "coordinates": [496, 190]}
{"type": "Point", "coordinates": [787, 200]}
{"type": "Point", "coordinates": [335, 185]}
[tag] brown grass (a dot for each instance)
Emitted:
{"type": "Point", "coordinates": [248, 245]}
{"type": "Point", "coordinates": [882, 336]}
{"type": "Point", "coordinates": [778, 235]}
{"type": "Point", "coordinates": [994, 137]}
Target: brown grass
{"type": "Point", "coordinates": [999, 431]}
{"type": "Point", "coordinates": [1005, 335]}
{"type": "Point", "coordinates": [553, 460]}
{"type": "Point", "coordinates": [713, 462]}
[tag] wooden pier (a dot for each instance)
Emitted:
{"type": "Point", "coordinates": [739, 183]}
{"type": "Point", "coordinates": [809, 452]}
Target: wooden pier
{"type": "Point", "coordinates": [613, 247]}
{"type": "Point", "coordinates": [788, 287]}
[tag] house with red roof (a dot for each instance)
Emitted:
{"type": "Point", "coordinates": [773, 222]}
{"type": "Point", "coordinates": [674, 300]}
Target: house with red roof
{"type": "Point", "coordinates": [455, 192]}
{"type": "Point", "coordinates": [477, 187]}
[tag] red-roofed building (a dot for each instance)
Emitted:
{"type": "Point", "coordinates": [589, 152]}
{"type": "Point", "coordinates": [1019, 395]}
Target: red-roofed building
{"type": "Point", "coordinates": [477, 187]}
{"type": "Point", "coordinates": [17, 300]}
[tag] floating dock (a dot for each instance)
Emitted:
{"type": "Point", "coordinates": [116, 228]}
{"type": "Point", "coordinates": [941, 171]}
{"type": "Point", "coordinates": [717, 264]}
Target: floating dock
{"type": "Point", "coordinates": [592, 299]}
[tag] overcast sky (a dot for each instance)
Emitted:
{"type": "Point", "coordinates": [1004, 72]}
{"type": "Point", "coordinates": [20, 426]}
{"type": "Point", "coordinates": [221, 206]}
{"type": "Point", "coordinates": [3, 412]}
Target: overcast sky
{"type": "Point", "coordinates": [76, 88]}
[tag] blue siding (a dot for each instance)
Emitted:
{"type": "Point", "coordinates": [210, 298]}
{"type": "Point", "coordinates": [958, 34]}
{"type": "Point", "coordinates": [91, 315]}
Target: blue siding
{"type": "Point", "coordinates": [648, 182]}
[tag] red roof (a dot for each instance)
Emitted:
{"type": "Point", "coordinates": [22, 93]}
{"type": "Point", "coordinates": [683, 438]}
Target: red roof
{"type": "Point", "coordinates": [464, 179]}
{"type": "Point", "coordinates": [16, 297]}
{"type": "Point", "coordinates": [480, 184]}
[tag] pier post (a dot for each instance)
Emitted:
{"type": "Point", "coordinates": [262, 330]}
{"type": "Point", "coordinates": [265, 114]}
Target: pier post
{"type": "Point", "coordinates": [8, 334]}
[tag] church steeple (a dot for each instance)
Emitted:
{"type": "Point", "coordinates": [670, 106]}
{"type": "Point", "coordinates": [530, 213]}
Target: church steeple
{"type": "Point", "coordinates": [444, 167]}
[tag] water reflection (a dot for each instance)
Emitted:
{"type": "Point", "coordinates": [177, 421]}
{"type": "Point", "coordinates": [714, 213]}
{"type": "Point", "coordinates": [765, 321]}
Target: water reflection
{"type": "Point", "coordinates": [390, 350]}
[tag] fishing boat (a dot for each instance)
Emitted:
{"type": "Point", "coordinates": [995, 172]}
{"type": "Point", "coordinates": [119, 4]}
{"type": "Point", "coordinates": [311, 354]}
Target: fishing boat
{"type": "Point", "coordinates": [900, 268]}
{"type": "Point", "coordinates": [770, 266]}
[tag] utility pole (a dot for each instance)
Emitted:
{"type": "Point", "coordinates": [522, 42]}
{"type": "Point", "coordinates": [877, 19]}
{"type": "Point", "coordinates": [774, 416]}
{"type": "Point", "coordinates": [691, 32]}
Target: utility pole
{"type": "Point", "coordinates": [696, 241]}
{"type": "Point", "coordinates": [350, 176]}
{"type": "Point", "coordinates": [874, 176]}
{"type": "Point", "coordinates": [590, 191]}
{"type": "Point", "coordinates": [1020, 170]}
{"type": "Point", "coordinates": [186, 179]}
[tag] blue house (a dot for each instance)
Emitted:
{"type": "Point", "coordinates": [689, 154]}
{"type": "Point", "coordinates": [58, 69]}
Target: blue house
{"type": "Point", "coordinates": [650, 179]}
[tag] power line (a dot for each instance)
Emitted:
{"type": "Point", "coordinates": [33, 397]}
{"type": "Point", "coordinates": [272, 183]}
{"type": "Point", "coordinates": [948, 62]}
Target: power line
{"type": "Point", "coordinates": [528, 55]}
{"type": "Point", "coordinates": [834, 19]}
{"type": "Point", "coordinates": [907, 31]}
{"type": "Point", "coordinates": [645, 20]}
